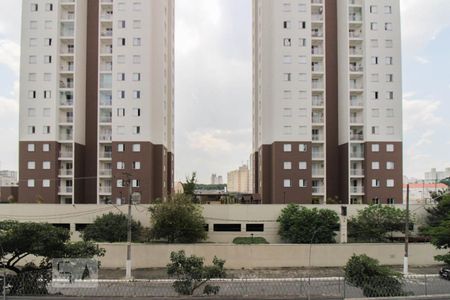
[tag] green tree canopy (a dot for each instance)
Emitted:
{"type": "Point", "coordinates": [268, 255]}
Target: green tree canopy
{"type": "Point", "coordinates": [191, 274]}
{"type": "Point", "coordinates": [19, 240]}
{"type": "Point", "coordinates": [178, 220]}
{"type": "Point", "coordinates": [301, 225]}
{"type": "Point", "coordinates": [189, 185]}
{"type": "Point", "coordinates": [377, 223]}
{"type": "Point", "coordinates": [375, 280]}
{"type": "Point", "coordinates": [112, 228]}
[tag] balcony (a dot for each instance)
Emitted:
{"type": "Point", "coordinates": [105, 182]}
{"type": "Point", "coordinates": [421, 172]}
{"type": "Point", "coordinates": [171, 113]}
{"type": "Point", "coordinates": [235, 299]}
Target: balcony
{"type": "Point", "coordinates": [355, 51]}
{"type": "Point", "coordinates": [66, 84]}
{"type": "Point", "coordinates": [66, 137]}
{"type": "Point", "coordinates": [105, 172]}
{"type": "Point", "coordinates": [356, 68]}
{"type": "Point", "coordinates": [357, 154]}
{"type": "Point", "coordinates": [356, 137]}
{"type": "Point", "coordinates": [355, 17]}
{"type": "Point", "coordinates": [355, 2]}
{"type": "Point", "coordinates": [105, 119]}
{"type": "Point", "coordinates": [105, 137]}
{"type": "Point", "coordinates": [66, 119]}
{"type": "Point", "coordinates": [318, 190]}
{"type": "Point", "coordinates": [317, 17]}
{"type": "Point", "coordinates": [317, 33]}
{"type": "Point", "coordinates": [316, 1]}
{"type": "Point", "coordinates": [357, 172]}
{"type": "Point", "coordinates": [356, 120]}
{"type": "Point", "coordinates": [357, 190]}
{"type": "Point", "coordinates": [318, 155]}
{"type": "Point", "coordinates": [317, 67]}
{"type": "Point", "coordinates": [317, 85]}
{"type": "Point", "coordinates": [65, 102]}
{"type": "Point", "coordinates": [107, 49]}
{"type": "Point", "coordinates": [65, 154]}
{"type": "Point", "coordinates": [106, 33]}
{"type": "Point", "coordinates": [106, 154]}
{"type": "Point", "coordinates": [355, 34]}
{"type": "Point", "coordinates": [356, 102]}
{"type": "Point", "coordinates": [67, 67]}
{"type": "Point", "coordinates": [316, 50]}
{"type": "Point", "coordinates": [105, 189]}
{"type": "Point", "coordinates": [65, 172]}
{"type": "Point", "coordinates": [317, 101]}
{"type": "Point", "coordinates": [65, 190]}
{"type": "Point", "coordinates": [318, 172]}
{"type": "Point", "coordinates": [317, 119]}
{"type": "Point", "coordinates": [317, 137]}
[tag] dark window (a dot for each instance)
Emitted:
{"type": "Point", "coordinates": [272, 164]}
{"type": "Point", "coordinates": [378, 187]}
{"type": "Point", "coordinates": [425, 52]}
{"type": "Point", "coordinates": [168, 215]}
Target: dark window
{"type": "Point", "coordinates": [65, 226]}
{"type": "Point", "coordinates": [254, 227]}
{"type": "Point", "coordinates": [227, 227]}
{"type": "Point", "coordinates": [80, 227]}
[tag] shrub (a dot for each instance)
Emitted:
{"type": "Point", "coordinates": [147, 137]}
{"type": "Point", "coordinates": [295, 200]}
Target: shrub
{"type": "Point", "coordinates": [249, 240]}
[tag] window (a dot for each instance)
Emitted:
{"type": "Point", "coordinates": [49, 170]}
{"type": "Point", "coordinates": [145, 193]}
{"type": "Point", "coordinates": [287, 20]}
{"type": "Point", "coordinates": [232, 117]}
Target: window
{"type": "Point", "coordinates": [47, 59]}
{"type": "Point", "coordinates": [120, 147]}
{"type": "Point", "coordinates": [48, 42]}
{"type": "Point", "coordinates": [34, 7]}
{"type": "Point", "coordinates": [286, 7]}
{"type": "Point", "coordinates": [375, 130]}
{"type": "Point", "coordinates": [374, 77]}
{"type": "Point", "coordinates": [287, 94]}
{"type": "Point", "coordinates": [49, 7]}
{"type": "Point", "coordinates": [390, 183]}
{"type": "Point", "coordinates": [137, 94]}
{"type": "Point", "coordinates": [389, 60]}
{"type": "Point", "coordinates": [32, 94]}
{"type": "Point", "coordinates": [32, 59]}
{"type": "Point", "coordinates": [302, 42]}
{"type": "Point", "coordinates": [119, 183]}
{"type": "Point", "coordinates": [375, 183]}
{"type": "Point", "coordinates": [375, 165]}
{"type": "Point", "coordinates": [136, 165]}
{"type": "Point", "coordinates": [46, 165]}
{"type": "Point", "coordinates": [227, 227]}
{"type": "Point", "coordinates": [391, 201]}
{"type": "Point", "coordinates": [121, 76]}
{"type": "Point", "coordinates": [120, 130]}
{"type": "Point", "coordinates": [287, 165]}
{"type": "Point", "coordinates": [31, 165]}
{"type": "Point", "coordinates": [121, 41]}
{"type": "Point", "coordinates": [287, 24]}
{"type": "Point", "coordinates": [137, 6]}
{"type": "Point", "coordinates": [374, 60]}
{"type": "Point", "coordinates": [302, 130]}
{"type": "Point", "coordinates": [136, 147]}
{"type": "Point", "coordinates": [136, 129]}
{"type": "Point", "coordinates": [302, 59]}
{"type": "Point", "coordinates": [136, 76]}
{"type": "Point", "coordinates": [47, 76]}
{"type": "Point", "coordinates": [302, 183]}
{"type": "Point", "coordinates": [390, 112]}
{"type": "Point", "coordinates": [122, 24]}
{"type": "Point", "coordinates": [390, 130]}
{"type": "Point", "coordinates": [135, 183]}
{"type": "Point", "coordinates": [136, 112]}
{"type": "Point", "coordinates": [31, 112]}
{"type": "Point", "coordinates": [47, 94]}
{"type": "Point", "coordinates": [121, 6]}
{"type": "Point", "coordinates": [374, 43]}
{"type": "Point", "coordinates": [302, 25]}
{"type": "Point", "coordinates": [302, 112]}
{"type": "Point", "coordinates": [390, 95]}
{"type": "Point", "coordinates": [287, 42]}
{"type": "Point", "coordinates": [287, 130]}
{"type": "Point", "coordinates": [375, 113]}
{"type": "Point", "coordinates": [31, 148]}
{"type": "Point", "coordinates": [302, 148]}
{"type": "Point", "coordinates": [388, 26]}
{"type": "Point", "coordinates": [287, 112]}
{"type": "Point", "coordinates": [46, 147]}
{"type": "Point", "coordinates": [121, 112]}
{"type": "Point", "coordinates": [46, 183]}
{"type": "Point", "coordinates": [374, 26]}
{"type": "Point", "coordinates": [30, 183]}
{"type": "Point", "coordinates": [254, 227]}
{"type": "Point", "coordinates": [375, 148]}
{"type": "Point", "coordinates": [120, 165]}
{"type": "Point", "coordinates": [390, 148]}
{"type": "Point", "coordinates": [303, 165]}
{"type": "Point", "coordinates": [375, 95]}
{"type": "Point", "coordinates": [287, 76]}
{"type": "Point", "coordinates": [388, 9]}
{"type": "Point", "coordinates": [46, 130]}
{"type": "Point", "coordinates": [121, 94]}
{"type": "Point", "coordinates": [137, 24]}
{"type": "Point", "coordinates": [302, 77]}
{"type": "Point", "coordinates": [389, 43]}
{"type": "Point", "coordinates": [31, 129]}
{"type": "Point", "coordinates": [33, 24]}
{"type": "Point", "coordinates": [389, 77]}
{"type": "Point", "coordinates": [136, 59]}
{"type": "Point", "coordinates": [302, 7]}
{"type": "Point", "coordinates": [120, 59]}
{"type": "Point", "coordinates": [390, 165]}
{"type": "Point", "coordinates": [375, 201]}
{"type": "Point", "coordinates": [136, 42]}
{"type": "Point", "coordinates": [33, 42]}
{"type": "Point", "coordinates": [373, 9]}
{"type": "Point", "coordinates": [287, 183]}
{"type": "Point", "coordinates": [287, 59]}
{"type": "Point", "coordinates": [48, 24]}
{"type": "Point", "coordinates": [287, 147]}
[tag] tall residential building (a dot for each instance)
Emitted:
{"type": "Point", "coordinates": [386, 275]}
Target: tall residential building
{"type": "Point", "coordinates": [327, 101]}
{"type": "Point", "coordinates": [8, 178]}
{"type": "Point", "coordinates": [238, 181]}
{"type": "Point", "coordinates": [434, 175]}
{"type": "Point", "coordinates": [96, 100]}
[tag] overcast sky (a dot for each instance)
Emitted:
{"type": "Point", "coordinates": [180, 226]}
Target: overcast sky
{"type": "Point", "coordinates": [213, 85]}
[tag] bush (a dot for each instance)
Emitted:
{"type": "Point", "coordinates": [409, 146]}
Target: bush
{"type": "Point", "coordinates": [177, 220]}
{"type": "Point", "coordinates": [304, 226]}
{"type": "Point", "coordinates": [191, 274]}
{"type": "Point", "coordinates": [375, 280]}
{"type": "Point", "coordinates": [112, 228]}
{"type": "Point", "coordinates": [249, 240]}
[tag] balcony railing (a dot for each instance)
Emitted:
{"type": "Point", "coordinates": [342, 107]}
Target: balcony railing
{"type": "Point", "coordinates": [317, 119]}
{"type": "Point", "coordinates": [356, 102]}
{"type": "Point", "coordinates": [316, 33]}
{"type": "Point", "coordinates": [355, 18]}
{"type": "Point", "coordinates": [317, 17]}
{"type": "Point", "coordinates": [65, 172]}
{"type": "Point", "coordinates": [355, 34]}
{"type": "Point", "coordinates": [105, 154]}
{"type": "Point", "coordinates": [66, 85]}
{"type": "Point", "coordinates": [317, 101]}
{"type": "Point", "coordinates": [65, 154]}
{"type": "Point", "coordinates": [105, 137]}
{"type": "Point", "coordinates": [317, 155]}
{"type": "Point", "coordinates": [356, 120]}
{"type": "Point", "coordinates": [316, 1]}
{"type": "Point", "coordinates": [356, 137]}
{"type": "Point", "coordinates": [357, 172]}
{"type": "Point", "coordinates": [356, 68]}
{"type": "Point", "coordinates": [105, 189]}
{"type": "Point", "coordinates": [356, 51]}
{"type": "Point", "coordinates": [317, 137]}
{"type": "Point", "coordinates": [106, 33]}
{"type": "Point", "coordinates": [66, 137]}
{"type": "Point", "coordinates": [105, 172]}
{"type": "Point", "coordinates": [318, 172]}
{"type": "Point", "coordinates": [317, 51]}
{"type": "Point", "coordinates": [358, 154]}
{"type": "Point", "coordinates": [65, 189]}
{"type": "Point", "coordinates": [105, 119]}
{"type": "Point", "coordinates": [65, 102]}
{"type": "Point", "coordinates": [318, 190]}
{"type": "Point", "coordinates": [66, 120]}
{"type": "Point", "coordinates": [356, 190]}
{"type": "Point", "coordinates": [317, 84]}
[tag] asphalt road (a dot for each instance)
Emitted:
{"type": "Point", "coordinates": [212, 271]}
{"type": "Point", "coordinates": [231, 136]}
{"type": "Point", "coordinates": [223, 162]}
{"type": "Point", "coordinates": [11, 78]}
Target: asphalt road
{"type": "Point", "coordinates": [290, 288]}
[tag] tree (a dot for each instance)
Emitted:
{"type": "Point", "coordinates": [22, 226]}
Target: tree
{"type": "Point", "coordinates": [19, 240]}
{"type": "Point", "coordinates": [304, 226]}
{"type": "Point", "coordinates": [112, 228]}
{"type": "Point", "coordinates": [177, 220]}
{"type": "Point", "coordinates": [377, 223]}
{"type": "Point", "coordinates": [189, 185]}
{"type": "Point", "coordinates": [439, 212]}
{"type": "Point", "coordinates": [375, 280]}
{"type": "Point", "coordinates": [191, 274]}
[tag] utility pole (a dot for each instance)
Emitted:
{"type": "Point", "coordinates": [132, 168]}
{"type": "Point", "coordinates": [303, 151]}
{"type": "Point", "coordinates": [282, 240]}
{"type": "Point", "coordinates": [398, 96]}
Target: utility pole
{"type": "Point", "coordinates": [405, 259]}
{"type": "Point", "coordinates": [128, 262]}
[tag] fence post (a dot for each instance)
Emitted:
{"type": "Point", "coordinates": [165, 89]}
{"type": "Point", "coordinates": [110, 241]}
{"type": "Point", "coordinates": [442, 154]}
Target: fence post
{"type": "Point", "coordinates": [345, 282]}
{"type": "Point", "coordinates": [426, 285]}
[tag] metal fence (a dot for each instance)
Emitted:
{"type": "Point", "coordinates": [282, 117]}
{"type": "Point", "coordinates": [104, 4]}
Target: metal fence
{"type": "Point", "coordinates": [39, 284]}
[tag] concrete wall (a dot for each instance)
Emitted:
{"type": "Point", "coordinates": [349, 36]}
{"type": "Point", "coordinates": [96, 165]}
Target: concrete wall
{"type": "Point", "coordinates": [214, 214]}
{"type": "Point", "coordinates": [269, 256]}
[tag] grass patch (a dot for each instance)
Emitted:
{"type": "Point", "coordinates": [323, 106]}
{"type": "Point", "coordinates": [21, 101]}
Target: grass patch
{"type": "Point", "coordinates": [249, 240]}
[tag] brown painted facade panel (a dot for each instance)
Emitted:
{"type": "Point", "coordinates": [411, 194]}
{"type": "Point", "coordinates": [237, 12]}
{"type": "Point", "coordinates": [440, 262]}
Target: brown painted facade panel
{"type": "Point", "coordinates": [9, 194]}
{"type": "Point", "coordinates": [383, 156]}
{"type": "Point", "coordinates": [332, 125]}
{"type": "Point", "coordinates": [38, 193]}
{"type": "Point", "coordinates": [343, 174]}
{"type": "Point", "coordinates": [80, 177]}
{"type": "Point", "coordinates": [90, 161]}
{"type": "Point", "coordinates": [170, 174]}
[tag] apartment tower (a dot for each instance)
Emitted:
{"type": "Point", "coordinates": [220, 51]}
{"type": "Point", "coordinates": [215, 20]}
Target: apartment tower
{"type": "Point", "coordinates": [327, 101]}
{"type": "Point", "coordinates": [96, 101]}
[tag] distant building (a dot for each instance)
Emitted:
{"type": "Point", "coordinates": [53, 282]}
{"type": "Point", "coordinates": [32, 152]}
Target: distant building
{"type": "Point", "coordinates": [434, 175]}
{"type": "Point", "coordinates": [420, 192]}
{"type": "Point", "coordinates": [238, 181]}
{"type": "Point", "coordinates": [219, 180]}
{"type": "Point", "coordinates": [8, 178]}
{"type": "Point", "coordinates": [213, 179]}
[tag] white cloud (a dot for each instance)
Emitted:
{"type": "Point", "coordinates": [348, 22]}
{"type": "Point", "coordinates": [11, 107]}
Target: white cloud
{"type": "Point", "coordinates": [10, 55]}
{"type": "Point", "coordinates": [217, 142]}
{"type": "Point", "coordinates": [422, 60]}
{"type": "Point", "coordinates": [422, 21]}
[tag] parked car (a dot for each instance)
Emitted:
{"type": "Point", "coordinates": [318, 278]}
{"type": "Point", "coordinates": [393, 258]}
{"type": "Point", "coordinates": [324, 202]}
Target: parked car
{"type": "Point", "coordinates": [445, 273]}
